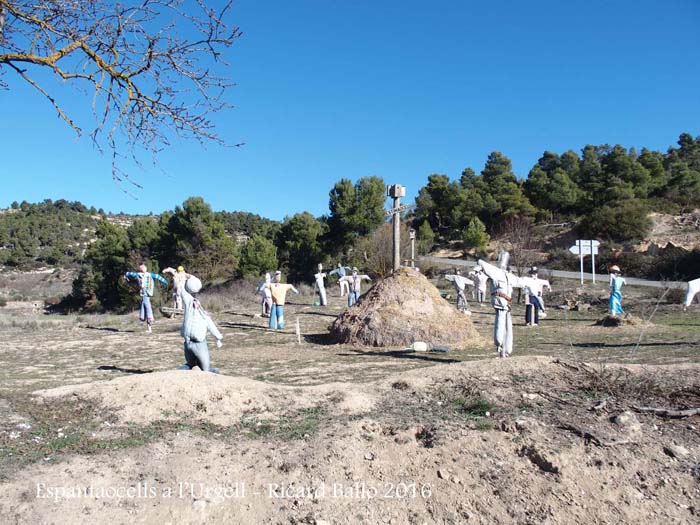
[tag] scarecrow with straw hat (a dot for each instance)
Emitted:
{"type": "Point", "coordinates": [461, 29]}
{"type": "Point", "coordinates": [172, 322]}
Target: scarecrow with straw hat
{"type": "Point", "coordinates": [179, 277]}
{"type": "Point", "coordinates": [616, 282]}
{"type": "Point", "coordinates": [502, 284]}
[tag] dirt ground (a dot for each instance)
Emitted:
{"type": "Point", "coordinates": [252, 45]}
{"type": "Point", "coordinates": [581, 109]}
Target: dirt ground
{"type": "Point", "coordinates": [96, 425]}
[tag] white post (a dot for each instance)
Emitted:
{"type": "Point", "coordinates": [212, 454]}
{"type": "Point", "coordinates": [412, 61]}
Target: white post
{"type": "Point", "coordinates": [580, 254]}
{"type": "Point", "coordinates": [593, 261]}
{"type": "Point", "coordinates": [298, 330]}
{"type": "Point", "coordinates": [397, 234]}
{"type": "Point", "coordinates": [412, 236]}
{"type": "Point", "coordinates": [413, 252]}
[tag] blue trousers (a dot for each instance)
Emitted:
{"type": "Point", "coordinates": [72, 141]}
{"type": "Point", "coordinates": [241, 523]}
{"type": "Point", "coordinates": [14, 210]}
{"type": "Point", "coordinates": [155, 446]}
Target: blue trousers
{"type": "Point", "coordinates": [533, 308]}
{"type": "Point", "coordinates": [353, 297]}
{"type": "Point", "coordinates": [197, 354]}
{"type": "Point", "coordinates": [277, 317]}
{"type": "Point", "coordinates": [146, 312]}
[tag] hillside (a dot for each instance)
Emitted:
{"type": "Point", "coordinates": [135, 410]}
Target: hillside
{"type": "Point", "coordinates": [50, 233]}
{"type": "Point", "coordinates": [671, 250]}
{"type": "Point", "coordinates": [55, 234]}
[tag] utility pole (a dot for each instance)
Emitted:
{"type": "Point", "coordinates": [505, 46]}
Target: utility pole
{"type": "Point", "coordinates": [396, 191]}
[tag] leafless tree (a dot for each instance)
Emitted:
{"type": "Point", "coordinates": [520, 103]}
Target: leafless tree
{"type": "Point", "coordinates": [149, 67]}
{"type": "Point", "coordinates": [518, 236]}
{"type": "Point", "coordinates": [376, 250]}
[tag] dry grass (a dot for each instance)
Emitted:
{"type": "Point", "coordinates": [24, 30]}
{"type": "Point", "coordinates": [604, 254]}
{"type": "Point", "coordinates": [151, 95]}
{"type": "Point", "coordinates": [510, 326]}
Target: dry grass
{"type": "Point", "coordinates": [230, 296]}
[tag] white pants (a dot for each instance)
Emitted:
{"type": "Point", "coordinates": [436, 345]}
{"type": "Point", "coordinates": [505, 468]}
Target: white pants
{"type": "Point", "coordinates": [693, 289]}
{"type": "Point", "coordinates": [344, 288]}
{"type": "Point", "coordinates": [322, 295]}
{"type": "Point", "coordinates": [503, 332]}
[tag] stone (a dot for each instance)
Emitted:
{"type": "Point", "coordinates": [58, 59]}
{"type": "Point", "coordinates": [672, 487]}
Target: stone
{"type": "Point", "coordinates": [628, 421]}
{"type": "Point", "coordinates": [676, 451]}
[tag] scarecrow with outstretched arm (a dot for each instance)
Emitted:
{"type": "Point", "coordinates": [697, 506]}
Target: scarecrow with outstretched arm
{"type": "Point", "coordinates": [146, 281]}
{"type": "Point", "coordinates": [502, 284]}
{"type": "Point", "coordinates": [319, 277]}
{"type": "Point", "coordinates": [196, 323]}
{"type": "Point", "coordinates": [460, 283]}
{"type": "Point", "coordinates": [179, 278]}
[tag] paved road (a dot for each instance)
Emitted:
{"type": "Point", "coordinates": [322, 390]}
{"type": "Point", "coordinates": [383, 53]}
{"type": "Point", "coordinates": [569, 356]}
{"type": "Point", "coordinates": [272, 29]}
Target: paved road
{"type": "Point", "coordinates": [632, 281]}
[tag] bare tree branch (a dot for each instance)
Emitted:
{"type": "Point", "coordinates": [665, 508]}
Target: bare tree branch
{"type": "Point", "coordinates": [151, 66]}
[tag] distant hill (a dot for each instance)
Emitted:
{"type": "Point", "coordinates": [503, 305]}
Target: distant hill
{"type": "Point", "coordinates": [45, 234]}
{"type": "Point", "coordinates": [57, 233]}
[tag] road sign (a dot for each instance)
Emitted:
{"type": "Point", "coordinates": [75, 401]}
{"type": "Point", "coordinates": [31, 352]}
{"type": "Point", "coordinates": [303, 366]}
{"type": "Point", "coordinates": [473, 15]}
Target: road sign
{"type": "Point", "coordinates": [400, 209]}
{"type": "Point", "coordinates": [584, 250]}
{"type": "Point", "coordinates": [586, 247]}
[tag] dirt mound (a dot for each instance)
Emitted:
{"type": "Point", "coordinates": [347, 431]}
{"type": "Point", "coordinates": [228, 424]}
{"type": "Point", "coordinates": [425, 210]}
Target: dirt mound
{"type": "Point", "coordinates": [615, 321]}
{"type": "Point", "coordinates": [401, 309]}
{"type": "Point", "coordinates": [523, 440]}
{"type": "Point", "coordinates": [218, 399]}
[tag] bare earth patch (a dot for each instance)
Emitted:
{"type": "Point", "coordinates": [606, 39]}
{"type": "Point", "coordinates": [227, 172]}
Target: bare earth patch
{"type": "Point", "coordinates": [96, 425]}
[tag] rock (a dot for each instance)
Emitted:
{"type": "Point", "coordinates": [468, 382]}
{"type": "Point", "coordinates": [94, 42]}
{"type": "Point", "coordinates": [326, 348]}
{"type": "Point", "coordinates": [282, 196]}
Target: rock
{"type": "Point", "coordinates": [676, 451]}
{"type": "Point", "coordinates": [507, 426]}
{"type": "Point", "coordinates": [402, 440]}
{"type": "Point", "coordinates": [526, 423]}
{"type": "Point", "coordinates": [530, 397]}
{"type": "Point", "coordinates": [441, 474]}
{"type": "Point", "coordinates": [583, 307]}
{"type": "Point", "coordinates": [322, 522]}
{"type": "Point", "coordinates": [628, 421]}
{"type": "Point", "coordinates": [369, 456]}
{"type": "Point", "coordinates": [199, 504]}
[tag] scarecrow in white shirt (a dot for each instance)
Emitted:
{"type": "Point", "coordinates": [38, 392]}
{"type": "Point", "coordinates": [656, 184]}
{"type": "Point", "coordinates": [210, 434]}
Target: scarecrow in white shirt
{"type": "Point", "coordinates": [502, 284]}
{"type": "Point", "coordinates": [460, 283]}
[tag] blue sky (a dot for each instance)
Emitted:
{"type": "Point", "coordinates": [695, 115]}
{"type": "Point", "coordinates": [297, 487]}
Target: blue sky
{"type": "Point", "coordinates": [398, 89]}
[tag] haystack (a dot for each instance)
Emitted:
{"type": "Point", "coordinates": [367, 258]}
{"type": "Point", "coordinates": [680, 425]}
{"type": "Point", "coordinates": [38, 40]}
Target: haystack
{"type": "Point", "coordinates": [401, 309]}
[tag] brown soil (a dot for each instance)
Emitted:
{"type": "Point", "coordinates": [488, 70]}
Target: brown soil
{"type": "Point", "coordinates": [214, 398]}
{"type": "Point", "coordinates": [315, 433]}
{"type": "Point", "coordinates": [678, 230]}
{"type": "Point", "coordinates": [523, 440]}
{"type": "Point", "coordinates": [401, 309]}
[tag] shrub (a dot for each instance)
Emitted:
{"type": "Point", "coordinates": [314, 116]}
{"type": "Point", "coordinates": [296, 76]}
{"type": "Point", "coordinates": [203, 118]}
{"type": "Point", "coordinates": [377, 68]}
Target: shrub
{"type": "Point", "coordinates": [475, 236]}
{"type": "Point", "coordinates": [675, 296]}
{"type": "Point", "coordinates": [627, 221]}
{"type": "Point", "coordinates": [257, 255]}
